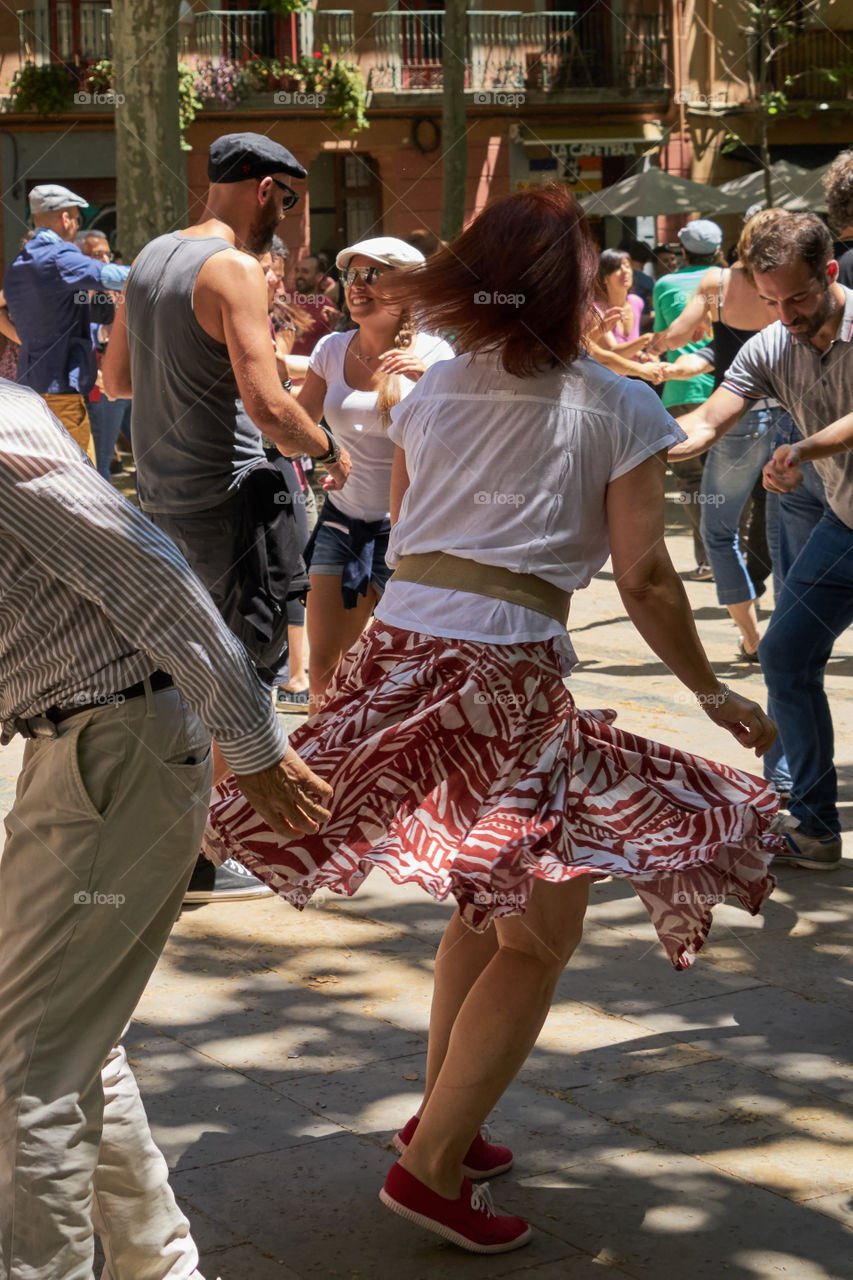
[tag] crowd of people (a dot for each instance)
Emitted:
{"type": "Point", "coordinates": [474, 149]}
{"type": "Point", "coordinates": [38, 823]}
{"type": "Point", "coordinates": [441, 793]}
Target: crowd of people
{"type": "Point", "coordinates": [480, 460]}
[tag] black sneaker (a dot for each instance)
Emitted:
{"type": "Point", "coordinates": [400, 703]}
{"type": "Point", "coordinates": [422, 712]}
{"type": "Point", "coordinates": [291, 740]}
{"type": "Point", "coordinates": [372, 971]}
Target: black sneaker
{"type": "Point", "coordinates": [230, 882]}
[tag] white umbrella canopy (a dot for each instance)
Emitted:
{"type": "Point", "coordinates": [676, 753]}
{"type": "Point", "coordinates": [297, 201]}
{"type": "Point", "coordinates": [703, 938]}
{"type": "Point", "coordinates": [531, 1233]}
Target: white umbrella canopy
{"type": "Point", "coordinates": [793, 188]}
{"type": "Point", "coordinates": [654, 193]}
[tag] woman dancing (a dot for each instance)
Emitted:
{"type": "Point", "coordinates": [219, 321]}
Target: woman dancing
{"type": "Point", "coordinates": [458, 758]}
{"type": "Point", "coordinates": [353, 380]}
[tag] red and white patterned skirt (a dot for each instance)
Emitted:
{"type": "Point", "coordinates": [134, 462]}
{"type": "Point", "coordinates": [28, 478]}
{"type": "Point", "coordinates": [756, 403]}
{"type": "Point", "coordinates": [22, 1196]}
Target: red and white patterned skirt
{"type": "Point", "coordinates": [467, 768]}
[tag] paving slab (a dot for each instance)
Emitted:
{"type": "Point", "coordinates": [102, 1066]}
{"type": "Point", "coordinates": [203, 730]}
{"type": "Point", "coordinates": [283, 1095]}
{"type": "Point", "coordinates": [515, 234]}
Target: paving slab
{"type": "Point", "coordinates": [321, 1213]}
{"type": "Point", "coordinates": [782, 1034]}
{"type": "Point", "coordinates": [206, 1113]}
{"type": "Point", "coordinates": [544, 1130]}
{"type": "Point", "coordinates": [660, 1214]}
{"type": "Point", "coordinates": [692, 1124]}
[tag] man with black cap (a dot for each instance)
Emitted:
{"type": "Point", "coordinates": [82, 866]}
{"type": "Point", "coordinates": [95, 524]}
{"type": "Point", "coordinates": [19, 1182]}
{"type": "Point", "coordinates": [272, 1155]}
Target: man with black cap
{"type": "Point", "coordinates": [47, 294]}
{"type": "Point", "coordinates": [193, 340]}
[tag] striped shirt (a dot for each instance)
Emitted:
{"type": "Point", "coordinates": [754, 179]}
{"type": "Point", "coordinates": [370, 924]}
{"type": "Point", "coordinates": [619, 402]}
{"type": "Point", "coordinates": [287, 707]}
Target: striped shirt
{"type": "Point", "coordinates": [93, 597]}
{"type": "Point", "coordinates": [814, 386]}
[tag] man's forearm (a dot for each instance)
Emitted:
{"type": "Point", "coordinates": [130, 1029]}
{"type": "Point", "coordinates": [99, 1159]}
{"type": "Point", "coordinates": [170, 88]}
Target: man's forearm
{"type": "Point", "coordinates": [835, 438]}
{"type": "Point", "coordinates": [289, 427]}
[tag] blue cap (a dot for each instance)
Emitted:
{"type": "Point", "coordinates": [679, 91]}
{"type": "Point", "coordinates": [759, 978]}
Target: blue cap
{"type": "Point", "coordinates": [701, 236]}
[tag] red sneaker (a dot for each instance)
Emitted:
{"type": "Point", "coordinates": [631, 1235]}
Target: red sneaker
{"type": "Point", "coordinates": [470, 1221]}
{"type": "Point", "coordinates": [483, 1159]}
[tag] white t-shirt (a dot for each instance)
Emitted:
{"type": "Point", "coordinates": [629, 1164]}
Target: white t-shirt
{"type": "Point", "coordinates": [513, 472]}
{"type": "Point", "coordinates": [354, 421]}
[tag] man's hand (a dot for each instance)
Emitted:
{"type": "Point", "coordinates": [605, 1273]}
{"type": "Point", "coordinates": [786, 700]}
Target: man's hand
{"type": "Point", "coordinates": [337, 473]}
{"type": "Point", "coordinates": [784, 470]}
{"type": "Point", "coordinates": [698, 440]}
{"type": "Point", "coordinates": [288, 796]}
{"type": "Point", "coordinates": [652, 371]}
{"type": "Point", "coordinates": [743, 718]}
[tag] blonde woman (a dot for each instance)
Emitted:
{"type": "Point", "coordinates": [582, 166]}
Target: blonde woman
{"type": "Point", "coordinates": [353, 380]}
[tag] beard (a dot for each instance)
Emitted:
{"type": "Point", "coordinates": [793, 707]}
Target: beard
{"type": "Point", "coordinates": [827, 309]}
{"type": "Point", "coordinates": [262, 229]}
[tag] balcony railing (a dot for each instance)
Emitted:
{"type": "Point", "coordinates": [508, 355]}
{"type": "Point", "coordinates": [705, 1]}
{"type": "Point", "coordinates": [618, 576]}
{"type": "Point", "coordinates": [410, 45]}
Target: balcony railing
{"type": "Point", "coordinates": [513, 50]}
{"type": "Point", "coordinates": [797, 66]}
{"type": "Point", "coordinates": [65, 34]}
{"type": "Point", "coordinates": [402, 52]}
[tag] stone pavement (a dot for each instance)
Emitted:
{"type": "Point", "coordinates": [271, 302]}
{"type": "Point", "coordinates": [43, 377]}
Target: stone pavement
{"type": "Point", "coordinates": [693, 1124]}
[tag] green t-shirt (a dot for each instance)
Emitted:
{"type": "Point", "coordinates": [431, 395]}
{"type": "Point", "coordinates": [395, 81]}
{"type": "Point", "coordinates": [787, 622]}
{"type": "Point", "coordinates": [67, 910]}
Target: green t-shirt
{"type": "Point", "coordinates": [672, 294]}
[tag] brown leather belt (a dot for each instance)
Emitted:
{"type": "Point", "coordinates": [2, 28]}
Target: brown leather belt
{"type": "Point", "coordinates": [454, 573]}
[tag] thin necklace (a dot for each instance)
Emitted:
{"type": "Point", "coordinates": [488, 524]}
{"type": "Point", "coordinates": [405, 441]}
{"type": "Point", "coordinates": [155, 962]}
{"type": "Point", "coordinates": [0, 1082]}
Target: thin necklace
{"type": "Point", "coordinates": [364, 359]}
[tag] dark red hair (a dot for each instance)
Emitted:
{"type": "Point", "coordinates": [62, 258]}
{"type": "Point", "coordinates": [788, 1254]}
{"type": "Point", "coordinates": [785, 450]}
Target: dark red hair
{"type": "Point", "coordinates": [518, 280]}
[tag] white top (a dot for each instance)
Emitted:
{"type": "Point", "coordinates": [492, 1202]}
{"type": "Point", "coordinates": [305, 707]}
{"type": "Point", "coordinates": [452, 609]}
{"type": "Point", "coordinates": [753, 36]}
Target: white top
{"type": "Point", "coordinates": [354, 421]}
{"type": "Point", "coordinates": [513, 472]}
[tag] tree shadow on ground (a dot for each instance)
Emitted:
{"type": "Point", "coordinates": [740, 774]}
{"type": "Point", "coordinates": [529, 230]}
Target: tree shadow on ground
{"type": "Point", "coordinates": [646, 1121]}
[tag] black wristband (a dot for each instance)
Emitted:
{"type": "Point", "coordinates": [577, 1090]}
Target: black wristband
{"type": "Point", "coordinates": [333, 453]}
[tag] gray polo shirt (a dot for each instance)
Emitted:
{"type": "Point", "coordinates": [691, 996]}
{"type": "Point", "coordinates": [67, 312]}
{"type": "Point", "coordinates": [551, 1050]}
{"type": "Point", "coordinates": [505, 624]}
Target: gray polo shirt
{"type": "Point", "coordinates": [816, 387]}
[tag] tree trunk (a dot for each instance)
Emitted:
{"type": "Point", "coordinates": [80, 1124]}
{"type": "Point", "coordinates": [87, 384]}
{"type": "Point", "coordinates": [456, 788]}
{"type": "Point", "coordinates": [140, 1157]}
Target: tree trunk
{"type": "Point", "coordinates": [764, 56]}
{"type": "Point", "coordinates": [453, 135]}
{"type": "Point", "coordinates": [151, 187]}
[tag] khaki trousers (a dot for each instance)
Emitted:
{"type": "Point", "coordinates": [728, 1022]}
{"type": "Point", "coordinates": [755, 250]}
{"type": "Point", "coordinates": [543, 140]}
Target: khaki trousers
{"type": "Point", "coordinates": [101, 840]}
{"type": "Point", "coordinates": [72, 412]}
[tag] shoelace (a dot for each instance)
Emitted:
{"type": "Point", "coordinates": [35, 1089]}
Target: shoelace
{"type": "Point", "coordinates": [485, 1133]}
{"type": "Point", "coordinates": [481, 1199]}
{"type": "Point", "coordinates": [783, 824]}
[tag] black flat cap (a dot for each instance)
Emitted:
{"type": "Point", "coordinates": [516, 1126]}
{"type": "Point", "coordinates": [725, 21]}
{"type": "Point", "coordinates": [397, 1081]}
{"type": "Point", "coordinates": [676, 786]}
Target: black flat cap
{"type": "Point", "coordinates": [237, 156]}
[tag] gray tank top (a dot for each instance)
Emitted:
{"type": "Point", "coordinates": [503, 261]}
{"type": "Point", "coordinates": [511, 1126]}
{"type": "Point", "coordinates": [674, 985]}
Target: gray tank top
{"type": "Point", "coordinates": [192, 439]}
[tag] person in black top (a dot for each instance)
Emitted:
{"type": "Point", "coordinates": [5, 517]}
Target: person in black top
{"type": "Point", "coordinates": [838, 185]}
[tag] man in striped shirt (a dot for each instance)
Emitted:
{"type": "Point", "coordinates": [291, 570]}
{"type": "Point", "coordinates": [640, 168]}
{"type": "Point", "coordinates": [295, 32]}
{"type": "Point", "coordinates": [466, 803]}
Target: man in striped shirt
{"type": "Point", "coordinates": [118, 690]}
{"type": "Point", "coordinates": [805, 361]}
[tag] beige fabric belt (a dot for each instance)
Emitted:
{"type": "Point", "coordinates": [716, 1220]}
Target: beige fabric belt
{"type": "Point", "coordinates": [437, 569]}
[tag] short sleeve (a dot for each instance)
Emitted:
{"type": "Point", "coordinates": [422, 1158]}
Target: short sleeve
{"type": "Point", "coordinates": [433, 349]}
{"type": "Point", "coordinates": [320, 360]}
{"type": "Point", "coordinates": [748, 374]}
{"type": "Point", "coordinates": [401, 413]}
{"type": "Point", "coordinates": [643, 428]}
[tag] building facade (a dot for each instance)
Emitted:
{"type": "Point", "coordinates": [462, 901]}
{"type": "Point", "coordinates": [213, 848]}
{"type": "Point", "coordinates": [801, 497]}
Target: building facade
{"type": "Point", "coordinates": [577, 96]}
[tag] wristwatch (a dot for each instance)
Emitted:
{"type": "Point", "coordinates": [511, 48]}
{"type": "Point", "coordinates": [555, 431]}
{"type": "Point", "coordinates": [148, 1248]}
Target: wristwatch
{"type": "Point", "coordinates": [333, 453]}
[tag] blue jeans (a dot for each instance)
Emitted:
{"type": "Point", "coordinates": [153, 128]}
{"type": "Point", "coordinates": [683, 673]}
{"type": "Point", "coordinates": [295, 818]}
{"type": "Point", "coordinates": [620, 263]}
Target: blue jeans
{"type": "Point", "coordinates": [814, 607]}
{"type": "Point", "coordinates": [108, 420]}
{"type": "Point", "coordinates": [732, 467]}
{"type": "Point", "coordinates": [792, 516]}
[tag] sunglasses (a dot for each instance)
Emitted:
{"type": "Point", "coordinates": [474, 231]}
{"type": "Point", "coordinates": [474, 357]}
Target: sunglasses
{"type": "Point", "coordinates": [368, 275]}
{"type": "Point", "coordinates": [290, 196]}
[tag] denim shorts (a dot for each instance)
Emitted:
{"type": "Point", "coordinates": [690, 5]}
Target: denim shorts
{"type": "Point", "coordinates": [331, 552]}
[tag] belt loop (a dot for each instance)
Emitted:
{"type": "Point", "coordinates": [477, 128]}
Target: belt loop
{"type": "Point", "coordinates": [149, 696]}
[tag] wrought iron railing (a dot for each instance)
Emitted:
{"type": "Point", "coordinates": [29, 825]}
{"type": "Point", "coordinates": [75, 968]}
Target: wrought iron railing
{"type": "Point", "coordinates": [62, 34]}
{"type": "Point", "coordinates": [799, 67]}
{"type": "Point", "coordinates": [506, 49]}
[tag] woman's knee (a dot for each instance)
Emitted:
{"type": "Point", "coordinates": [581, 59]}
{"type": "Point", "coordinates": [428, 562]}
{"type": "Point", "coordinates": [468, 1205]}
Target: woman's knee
{"type": "Point", "coordinates": [550, 931]}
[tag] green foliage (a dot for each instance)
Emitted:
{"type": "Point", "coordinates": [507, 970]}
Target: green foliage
{"type": "Point", "coordinates": [189, 102]}
{"type": "Point", "coordinates": [49, 89]}
{"type": "Point", "coordinates": [346, 95]}
{"type": "Point", "coordinates": [284, 6]}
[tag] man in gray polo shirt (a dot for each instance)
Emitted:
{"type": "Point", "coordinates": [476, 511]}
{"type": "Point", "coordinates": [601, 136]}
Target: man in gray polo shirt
{"type": "Point", "coordinates": [805, 361]}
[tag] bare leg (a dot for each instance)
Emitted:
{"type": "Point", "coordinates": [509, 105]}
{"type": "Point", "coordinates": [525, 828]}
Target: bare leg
{"type": "Point", "coordinates": [746, 620]}
{"type": "Point", "coordinates": [332, 630]}
{"type": "Point", "coordinates": [296, 656]}
{"type": "Point", "coordinates": [495, 1029]}
{"type": "Point", "coordinates": [462, 957]}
